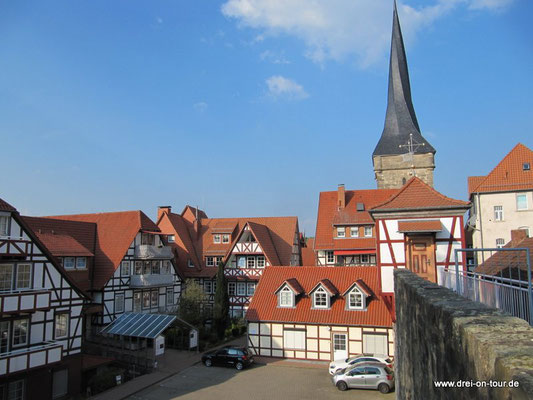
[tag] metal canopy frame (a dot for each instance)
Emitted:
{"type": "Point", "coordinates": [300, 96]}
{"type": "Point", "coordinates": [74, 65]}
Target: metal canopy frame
{"type": "Point", "coordinates": [147, 326]}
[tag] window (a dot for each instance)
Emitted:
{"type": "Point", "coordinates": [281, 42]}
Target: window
{"type": "Point", "coordinates": [209, 262]}
{"type": "Point", "coordinates": [81, 262]}
{"type": "Point", "coordinates": [320, 298]}
{"type": "Point", "coordinates": [294, 339]}
{"type": "Point", "coordinates": [231, 288]}
{"type": "Point", "coordinates": [526, 166]}
{"type": "Point", "coordinates": [286, 297]}
{"type": "Point", "coordinates": [250, 288]}
{"type": "Point", "coordinates": [190, 264]}
{"type": "Point", "coordinates": [23, 276]}
{"type": "Point", "coordinates": [69, 262]}
{"type": "Point", "coordinates": [125, 268]}
{"type": "Point", "coordinates": [525, 228]}
{"type": "Point", "coordinates": [171, 238]}
{"type": "Point", "coordinates": [119, 303]}
{"type": "Point", "coordinates": [330, 257]}
{"type": "Point", "coordinates": [147, 268]}
{"type": "Point", "coordinates": [216, 238]}
{"type": "Point", "coordinates": [521, 202]}
{"type": "Point", "coordinates": [6, 276]}
{"type": "Point", "coordinates": [155, 298]}
{"type": "Point", "coordinates": [500, 242]}
{"type": "Point", "coordinates": [15, 390]}
{"type": "Point", "coordinates": [61, 325]}
{"type": "Point", "coordinates": [355, 299]}
{"type": "Point", "coordinates": [156, 267]}
{"type": "Point", "coordinates": [250, 262]}
{"type": "Point", "coordinates": [341, 232]}
{"type": "Point", "coordinates": [368, 231]}
{"type": "Point", "coordinates": [218, 260]}
{"type": "Point", "coordinates": [20, 332]}
{"type": "Point", "coordinates": [146, 299]}
{"type": "Point", "coordinates": [241, 261]}
{"type": "Point", "coordinates": [225, 238]}
{"type": "Point", "coordinates": [365, 258]}
{"type": "Point", "coordinates": [498, 213]}
{"type": "Point", "coordinates": [138, 267]}
{"type": "Point", "coordinates": [170, 296]}
{"type": "Point", "coordinates": [260, 261]}
{"type": "Point", "coordinates": [354, 231]}
{"type": "Point", "coordinates": [208, 287]}
{"type": "Point", "coordinates": [147, 238]}
{"type": "Point", "coordinates": [166, 269]}
{"type": "Point", "coordinates": [4, 225]}
{"type": "Point", "coordinates": [59, 383]}
{"type": "Point", "coordinates": [241, 288]}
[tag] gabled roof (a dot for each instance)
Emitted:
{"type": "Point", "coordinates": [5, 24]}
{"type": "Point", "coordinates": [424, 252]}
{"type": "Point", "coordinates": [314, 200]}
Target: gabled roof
{"type": "Point", "coordinates": [400, 120]}
{"type": "Point", "coordinates": [327, 285]}
{"type": "Point", "coordinates": [416, 195]}
{"type": "Point", "coordinates": [507, 261]}
{"type": "Point", "coordinates": [362, 286]}
{"type": "Point", "coordinates": [508, 175]}
{"type": "Point", "coordinates": [191, 213]}
{"type": "Point", "coordinates": [274, 234]}
{"type": "Point", "coordinates": [293, 284]}
{"type": "Point", "coordinates": [115, 232]}
{"type": "Point", "coordinates": [330, 215]}
{"type": "Point", "coordinates": [308, 253]}
{"type": "Point", "coordinates": [5, 206]}
{"type": "Point", "coordinates": [264, 305]}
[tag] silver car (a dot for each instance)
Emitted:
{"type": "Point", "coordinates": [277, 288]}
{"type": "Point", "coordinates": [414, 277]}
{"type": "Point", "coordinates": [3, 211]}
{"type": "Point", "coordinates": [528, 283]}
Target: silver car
{"type": "Point", "coordinates": [365, 376]}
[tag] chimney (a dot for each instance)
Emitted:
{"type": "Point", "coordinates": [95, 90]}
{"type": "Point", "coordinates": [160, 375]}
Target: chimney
{"type": "Point", "coordinates": [163, 209]}
{"type": "Point", "coordinates": [341, 197]}
{"type": "Point", "coordinates": [197, 224]}
{"type": "Point", "coordinates": [517, 235]}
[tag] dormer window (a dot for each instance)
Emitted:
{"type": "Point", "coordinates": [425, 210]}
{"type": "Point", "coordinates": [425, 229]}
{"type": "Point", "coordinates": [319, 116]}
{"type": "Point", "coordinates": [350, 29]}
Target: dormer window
{"type": "Point", "coordinates": [341, 232]}
{"type": "Point", "coordinates": [368, 231]}
{"type": "Point", "coordinates": [225, 238]}
{"type": "Point", "coordinates": [286, 297]}
{"type": "Point", "coordinates": [320, 298]}
{"type": "Point", "coordinates": [526, 166]}
{"type": "Point", "coordinates": [355, 299]}
{"type": "Point", "coordinates": [354, 231]}
{"type": "Point", "coordinates": [216, 238]}
{"type": "Point", "coordinates": [190, 264]}
{"type": "Point", "coordinates": [171, 238]}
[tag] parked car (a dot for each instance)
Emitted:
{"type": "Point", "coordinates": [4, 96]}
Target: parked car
{"type": "Point", "coordinates": [228, 356]}
{"type": "Point", "coordinates": [368, 375]}
{"type": "Point", "coordinates": [337, 365]}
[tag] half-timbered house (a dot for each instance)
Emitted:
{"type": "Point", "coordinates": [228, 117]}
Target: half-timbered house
{"type": "Point", "coordinates": [246, 246]}
{"type": "Point", "coordinates": [317, 313]}
{"type": "Point", "coordinates": [40, 317]}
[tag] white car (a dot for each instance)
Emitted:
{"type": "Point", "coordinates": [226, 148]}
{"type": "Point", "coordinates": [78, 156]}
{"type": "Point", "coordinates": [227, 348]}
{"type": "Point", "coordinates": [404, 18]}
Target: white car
{"type": "Point", "coordinates": [337, 365]}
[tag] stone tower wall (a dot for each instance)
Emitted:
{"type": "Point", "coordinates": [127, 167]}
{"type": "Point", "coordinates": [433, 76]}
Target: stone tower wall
{"type": "Point", "coordinates": [390, 171]}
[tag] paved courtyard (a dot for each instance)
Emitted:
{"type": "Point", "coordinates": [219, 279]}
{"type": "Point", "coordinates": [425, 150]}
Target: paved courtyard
{"type": "Point", "coordinates": [267, 382]}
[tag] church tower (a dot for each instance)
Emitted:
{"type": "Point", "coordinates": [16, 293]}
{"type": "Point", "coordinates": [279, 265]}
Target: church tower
{"type": "Point", "coordinates": [402, 152]}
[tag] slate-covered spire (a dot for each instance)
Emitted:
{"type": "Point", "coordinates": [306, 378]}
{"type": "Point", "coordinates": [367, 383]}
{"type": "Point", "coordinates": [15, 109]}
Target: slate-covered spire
{"type": "Point", "coordinates": [400, 121]}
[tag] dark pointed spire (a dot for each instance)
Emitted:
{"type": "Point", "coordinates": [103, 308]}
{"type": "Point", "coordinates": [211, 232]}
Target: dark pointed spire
{"type": "Point", "coordinates": [400, 121]}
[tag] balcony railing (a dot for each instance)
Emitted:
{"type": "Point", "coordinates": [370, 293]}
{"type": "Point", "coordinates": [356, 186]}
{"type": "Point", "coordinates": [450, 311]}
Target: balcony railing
{"type": "Point", "coordinates": [143, 281]}
{"type": "Point", "coordinates": [15, 301]}
{"type": "Point", "coordinates": [30, 357]}
{"type": "Point", "coordinates": [147, 252]}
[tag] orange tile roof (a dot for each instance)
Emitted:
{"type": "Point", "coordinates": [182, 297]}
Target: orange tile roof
{"type": "Point", "coordinates": [275, 235]}
{"type": "Point", "coordinates": [508, 175]}
{"type": "Point", "coordinates": [416, 194]}
{"type": "Point", "coordinates": [308, 252]}
{"type": "Point", "coordinates": [420, 226]}
{"type": "Point", "coordinates": [264, 305]}
{"type": "Point", "coordinates": [329, 214]}
{"type": "Point", "coordinates": [115, 232]}
{"type": "Point", "coordinates": [5, 206]}
{"type": "Point", "coordinates": [502, 261]}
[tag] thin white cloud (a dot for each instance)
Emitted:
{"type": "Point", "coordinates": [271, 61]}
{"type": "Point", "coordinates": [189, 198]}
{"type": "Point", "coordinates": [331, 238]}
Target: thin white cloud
{"type": "Point", "coordinates": [340, 29]}
{"type": "Point", "coordinates": [273, 57]}
{"type": "Point", "coordinates": [281, 87]}
{"type": "Point", "coordinates": [200, 106]}
{"type": "Point", "coordinates": [159, 20]}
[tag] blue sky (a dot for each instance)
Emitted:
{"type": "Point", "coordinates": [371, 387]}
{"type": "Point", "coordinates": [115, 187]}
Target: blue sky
{"type": "Point", "coordinates": [246, 107]}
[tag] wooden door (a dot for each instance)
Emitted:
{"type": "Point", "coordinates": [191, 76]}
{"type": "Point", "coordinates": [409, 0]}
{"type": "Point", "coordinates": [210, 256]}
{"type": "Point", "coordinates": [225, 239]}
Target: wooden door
{"type": "Point", "coordinates": [421, 256]}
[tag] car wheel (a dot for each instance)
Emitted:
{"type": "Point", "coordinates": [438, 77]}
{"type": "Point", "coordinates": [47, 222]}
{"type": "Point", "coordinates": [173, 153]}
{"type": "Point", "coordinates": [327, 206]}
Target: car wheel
{"type": "Point", "coordinates": [342, 385]}
{"type": "Point", "coordinates": [239, 366]}
{"type": "Point", "coordinates": [384, 388]}
{"type": "Point", "coordinates": [208, 362]}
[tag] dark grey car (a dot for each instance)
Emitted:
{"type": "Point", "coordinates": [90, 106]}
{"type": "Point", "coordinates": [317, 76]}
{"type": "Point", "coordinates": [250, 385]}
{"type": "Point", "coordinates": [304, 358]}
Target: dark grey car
{"type": "Point", "coordinates": [365, 376]}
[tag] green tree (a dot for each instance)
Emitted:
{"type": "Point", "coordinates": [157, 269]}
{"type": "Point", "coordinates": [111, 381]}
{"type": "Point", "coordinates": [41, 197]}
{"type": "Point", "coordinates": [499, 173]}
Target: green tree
{"type": "Point", "coordinates": [192, 303]}
{"type": "Point", "coordinates": [221, 309]}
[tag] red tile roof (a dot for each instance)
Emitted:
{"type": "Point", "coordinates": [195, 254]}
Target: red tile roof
{"type": "Point", "coordinates": [416, 195]}
{"type": "Point", "coordinates": [329, 215]}
{"type": "Point", "coordinates": [502, 261]}
{"type": "Point", "coordinates": [420, 226]}
{"type": "Point", "coordinates": [308, 253]}
{"type": "Point", "coordinates": [508, 175]}
{"type": "Point", "coordinates": [264, 305]}
{"type": "Point", "coordinates": [5, 206]}
{"type": "Point", "coordinates": [274, 234]}
{"type": "Point", "coordinates": [293, 284]}
{"type": "Point", "coordinates": [115, 232]}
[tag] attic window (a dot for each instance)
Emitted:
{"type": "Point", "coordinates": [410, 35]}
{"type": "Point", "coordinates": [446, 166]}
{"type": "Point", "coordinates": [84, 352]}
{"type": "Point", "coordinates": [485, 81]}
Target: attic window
{"type": "Point", "coordinates": [320, 298]}
{"type": "Point", "coordinates": [225, 238]}
{"type": "Point", "coordinates": [171, 238]}
{"type": "Point", "coordinates": [356, 299]}
{"type": "Point", "coordinates": [190, 264]}
{"type": "Point", "coordinates": [360, 207]}
{"type": "Point", "coordinates": [526, 166]}
{"type": "Point", "coordinates": [286, 297]}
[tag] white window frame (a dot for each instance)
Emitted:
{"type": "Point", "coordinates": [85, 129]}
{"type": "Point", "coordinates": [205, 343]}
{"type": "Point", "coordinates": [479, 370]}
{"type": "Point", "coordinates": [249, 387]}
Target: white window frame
{"type": "Point", "coordinates": [138, 268]}
{"type": "Point", "coordinates": [119, 302]}
{"type": "Point", "coordinates": [190, 264]}
{"type": "Point", "coordinates": [209, 261]}
{"type": "Point", "coordinates": [156, 297]}
{"type": "Point", "coordinates": [500, 242]}
{"type": "Point", "coordinates": [232, 289]}
{"type": "Point", "coordinates": [4, 225]}
{"type": "Point", "coordinates": [320, 296]}
{"type": "Point", "coordinates": [250, 262]}
{"type": "Point", "coordinates": [241, 289]}
{"type": "Point", "coordinates": [208, 287]}
{"type": "Point", "coordinates": [341, 232]}
{"type": "Point", "coordinates": [368, 231]}
{"type": "Point", "coordinates": [170, 296]}
{"type": "Point", "coordinates": [250, 288]}
{"type": "Point", "coordinates": [28, 277]}
{"type": "Point", "coordinates": [286, 297]}
{"type": "Point", "coordinates": [171, 238]}
{"type": "Point", "coordinates": [290, 337]}
{"type": "Point", "coordinates": [125, 268]}
{"type": "Point", "coordinates": [59, 333]}
{"type": "Point", "coordinates": [498, 213]}
{"type": "Point", "coordinates": [9, 274]}
{"type": "Point", "coordinates": [217, 238]}
{"type": "Point", "coordinates": [356, 293]}
{"type": "Point", "coordinates": [65, 262]}
{"type": "Point", "coordinates": [261, 261]}
{"type": "Point", "coordinates": [16, 390]}
{"type": "Point", "coordinates": [524, 196]}
{"type": "Point", "coordinates": [225, 238]}
{"type": "Point", "coordinates": [365, 258]}
{"type": "Point", "coordinates": [328, 254]}
{"type": "Point", "coordinates": [354, 231]}
{"type": "Point", "coordinates": [78, 259]}
{"type": "Point", "coordinates": [27, 334]}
